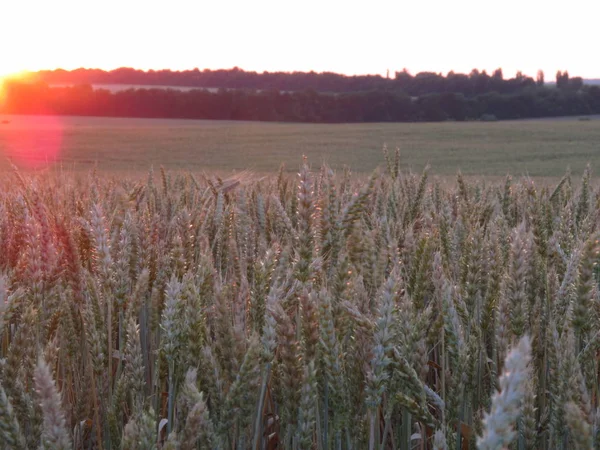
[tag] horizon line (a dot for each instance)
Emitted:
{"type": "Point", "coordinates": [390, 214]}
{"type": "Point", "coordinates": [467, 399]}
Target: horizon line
{"type": "Point", "coordinates": [389, 72]}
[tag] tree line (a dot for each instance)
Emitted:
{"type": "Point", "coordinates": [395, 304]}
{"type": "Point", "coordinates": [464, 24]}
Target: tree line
{"type": "Point", "coordinates": [376, 105]}
{"type": "Point", "coordinates": [472, 84]}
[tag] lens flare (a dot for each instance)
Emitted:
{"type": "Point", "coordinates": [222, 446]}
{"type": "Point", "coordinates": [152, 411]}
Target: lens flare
{"type": "Point", "coordinates": [31, 142]}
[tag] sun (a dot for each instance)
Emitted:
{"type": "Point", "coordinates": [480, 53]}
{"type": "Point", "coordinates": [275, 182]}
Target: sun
{"type": "Point", "coordinates": [6, 74]}
{"type": "Point", "coordinates": [11, 67]}
{"type": "Point", "coordinates": [6, 71]}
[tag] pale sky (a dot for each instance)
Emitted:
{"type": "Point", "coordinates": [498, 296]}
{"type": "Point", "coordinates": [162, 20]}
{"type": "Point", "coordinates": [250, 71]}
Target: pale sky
{"type": "Point", "coordinates": [322, 35]}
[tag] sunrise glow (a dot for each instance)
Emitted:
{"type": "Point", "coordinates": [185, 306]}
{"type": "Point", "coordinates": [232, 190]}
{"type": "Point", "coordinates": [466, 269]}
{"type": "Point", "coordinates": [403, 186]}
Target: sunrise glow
{"type": "Point", "coordinates": [13, 61]}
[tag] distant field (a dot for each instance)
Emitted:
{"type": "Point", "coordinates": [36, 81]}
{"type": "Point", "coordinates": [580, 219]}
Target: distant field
{"type": "Point", "coordinates": [123, 87]}
{"type": "Point", "coordinates": [537, 148]}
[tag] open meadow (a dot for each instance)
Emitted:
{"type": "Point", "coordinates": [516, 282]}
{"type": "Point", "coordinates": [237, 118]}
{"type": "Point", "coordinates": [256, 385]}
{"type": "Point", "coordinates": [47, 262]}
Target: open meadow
{"type": "Point", "coordinates": [534, 147]}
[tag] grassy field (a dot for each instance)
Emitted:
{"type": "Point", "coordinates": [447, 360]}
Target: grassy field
{"type": "Point", "coordinates": [537, 148]}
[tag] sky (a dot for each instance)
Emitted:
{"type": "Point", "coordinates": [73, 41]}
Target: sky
{"type": "Point", "coordinates": [347, 36]}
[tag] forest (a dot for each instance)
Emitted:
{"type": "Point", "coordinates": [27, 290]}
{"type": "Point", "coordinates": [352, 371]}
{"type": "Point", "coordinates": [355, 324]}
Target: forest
{"type": "Point", "coordinates": [302, 97]}
{"type": "Point", "coordinates": [474, 83]}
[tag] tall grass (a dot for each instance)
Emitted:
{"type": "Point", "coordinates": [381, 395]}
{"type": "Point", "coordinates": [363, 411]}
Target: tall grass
{"type": "Point", "coordinates": [318, 312]}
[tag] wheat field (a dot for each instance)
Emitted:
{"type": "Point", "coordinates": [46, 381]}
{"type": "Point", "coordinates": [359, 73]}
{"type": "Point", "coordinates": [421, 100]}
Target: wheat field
{"type": "Point", "coordinates": [317, 311]}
